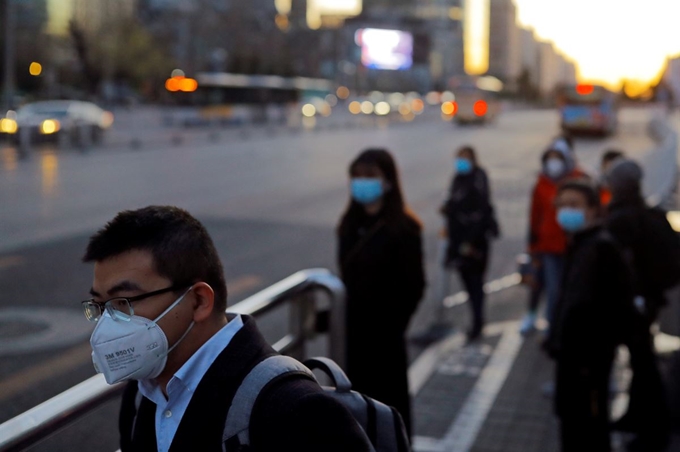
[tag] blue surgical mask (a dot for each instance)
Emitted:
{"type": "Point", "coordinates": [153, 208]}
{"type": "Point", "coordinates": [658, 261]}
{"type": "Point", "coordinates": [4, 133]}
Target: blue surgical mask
{"type": "Point", "coordinates": [571, 220]}
{"type": "Point", "coordinates": [463, 166]}
{"type": "Point", "coordinates": [366, 190]}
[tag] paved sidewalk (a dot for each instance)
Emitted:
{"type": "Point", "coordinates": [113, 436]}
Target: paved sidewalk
{"type": "Point", "coordinates": [489, 396]}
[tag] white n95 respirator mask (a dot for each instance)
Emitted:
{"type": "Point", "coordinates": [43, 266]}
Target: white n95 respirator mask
{"type": "Point", "coordinates": [134, 349]}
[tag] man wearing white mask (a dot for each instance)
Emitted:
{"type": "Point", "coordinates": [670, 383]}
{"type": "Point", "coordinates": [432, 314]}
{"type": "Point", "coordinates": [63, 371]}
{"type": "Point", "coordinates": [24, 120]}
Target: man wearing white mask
{"type": "Point", "coordinates": [159, 299]}
{"type": "Point", "coordinates": [595, 313]}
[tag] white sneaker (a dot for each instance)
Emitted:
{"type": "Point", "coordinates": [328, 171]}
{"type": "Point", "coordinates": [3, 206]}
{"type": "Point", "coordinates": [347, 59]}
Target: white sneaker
{"type": "Point", "coordinates": [528, 324]}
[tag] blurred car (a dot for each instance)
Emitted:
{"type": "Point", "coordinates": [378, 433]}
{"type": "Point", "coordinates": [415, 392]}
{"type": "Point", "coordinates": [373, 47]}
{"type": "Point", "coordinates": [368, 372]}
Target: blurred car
{"type": "Point", "coordinates": [79, 120]}
{"type": "Point", "coordinates": [476, 99]}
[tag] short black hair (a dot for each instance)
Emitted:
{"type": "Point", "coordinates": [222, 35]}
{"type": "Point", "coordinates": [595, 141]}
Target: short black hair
{"type": "Point", "coordinates": [181, 247]}
{"type": "Point", "coordinates": [470, 150]}
{"type": "Point", "coordinates": [610, 155]}
{"type": "Point", "coordinates": [584, 187]}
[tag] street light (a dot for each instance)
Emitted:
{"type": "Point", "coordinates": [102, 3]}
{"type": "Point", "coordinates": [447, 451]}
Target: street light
{"type": "Point", "coordinates": [35, 69]}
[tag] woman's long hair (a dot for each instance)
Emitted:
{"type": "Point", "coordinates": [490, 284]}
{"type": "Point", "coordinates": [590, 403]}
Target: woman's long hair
{"type": "Point", "coordinates": [394, 210]}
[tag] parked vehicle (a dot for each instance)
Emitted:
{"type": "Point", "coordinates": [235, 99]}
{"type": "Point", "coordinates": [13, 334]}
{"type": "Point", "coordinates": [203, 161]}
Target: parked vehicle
{"type": "Point", "coordinates": [79, 121]}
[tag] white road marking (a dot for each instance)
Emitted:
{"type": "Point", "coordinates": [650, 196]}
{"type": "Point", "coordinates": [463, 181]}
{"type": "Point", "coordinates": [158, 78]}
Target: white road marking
{"type": "Point", "coordinates": [464, 430]}
{"type": "Point", "coordinates": [423, 367]}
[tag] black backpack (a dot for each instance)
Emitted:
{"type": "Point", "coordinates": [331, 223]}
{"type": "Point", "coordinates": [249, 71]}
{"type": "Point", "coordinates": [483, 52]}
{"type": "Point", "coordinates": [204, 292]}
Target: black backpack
{"type": "Point", "coordinates": [657, 254]}
{"type": "Point", "coordinates": [382, 424]}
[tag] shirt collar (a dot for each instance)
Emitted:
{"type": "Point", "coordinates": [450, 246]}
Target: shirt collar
{"type": "Point", "coordinates": [192, 372]}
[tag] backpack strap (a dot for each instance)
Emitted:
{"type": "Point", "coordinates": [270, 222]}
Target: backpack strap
{"type": "Point", "coordinates": [330, 368]}
{"type": "Point", "coordinates": [236, 433]}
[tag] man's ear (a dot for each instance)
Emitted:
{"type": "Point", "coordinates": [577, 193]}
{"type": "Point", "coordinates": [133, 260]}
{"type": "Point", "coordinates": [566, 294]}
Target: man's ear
{"type": "Point", "coordinates": [205, 300]}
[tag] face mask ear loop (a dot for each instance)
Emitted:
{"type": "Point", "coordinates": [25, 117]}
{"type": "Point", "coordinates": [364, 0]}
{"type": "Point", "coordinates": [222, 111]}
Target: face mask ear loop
{"type": "Point", "coordinates": [180, 339]}
{"type": "Point", "coordinates": [170, 308]}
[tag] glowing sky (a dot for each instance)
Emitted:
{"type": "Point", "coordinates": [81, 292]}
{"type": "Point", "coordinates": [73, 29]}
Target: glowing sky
{"type": "Point", "coordinates": [609, 39]}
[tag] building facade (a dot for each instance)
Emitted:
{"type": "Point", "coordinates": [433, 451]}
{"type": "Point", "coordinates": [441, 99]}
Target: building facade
{"type": "Point", "coordinates": [505, 47]}
{"type": "Point", "coordinates": [671, 78]}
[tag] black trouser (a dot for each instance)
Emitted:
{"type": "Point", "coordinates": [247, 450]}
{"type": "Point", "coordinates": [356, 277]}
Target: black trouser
{"type": "Point", "coordinates": [473, 280]}
{"type": "Point", "coordinates": [581, 402]}
{"type": "Point", "coordinates": [647, 408]}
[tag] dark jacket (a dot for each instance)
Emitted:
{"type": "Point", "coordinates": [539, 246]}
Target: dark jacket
{"type": "Point", "coordinates": [470, 217]}
{"type": "Point", "coordinates": [624, 221]}
{"type": "Point", "coordinates": [595, 312]}
{"type": "Point", "coordinates": [293, 415]}
{"type": "Point", "coordinates": [385, 280]}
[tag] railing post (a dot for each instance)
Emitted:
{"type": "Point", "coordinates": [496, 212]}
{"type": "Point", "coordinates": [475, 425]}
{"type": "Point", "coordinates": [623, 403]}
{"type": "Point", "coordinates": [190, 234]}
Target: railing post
{"type": "Point", "coordinates": [337, 331]}
{"type": "Point", "coordinates": [302, 318]}
{"type": "Point", "coordinates": [24, 140]}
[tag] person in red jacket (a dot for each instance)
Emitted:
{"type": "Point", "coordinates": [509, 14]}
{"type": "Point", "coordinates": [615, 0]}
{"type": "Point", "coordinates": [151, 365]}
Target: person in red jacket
{"type": "Point", "coordinates": [547, 241]}
{"type": "Point", "coordinates": [608, 158]}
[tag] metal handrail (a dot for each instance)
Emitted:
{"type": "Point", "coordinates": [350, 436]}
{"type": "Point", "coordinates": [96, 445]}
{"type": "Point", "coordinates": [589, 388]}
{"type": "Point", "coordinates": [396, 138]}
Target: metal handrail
{"type": "Point", "coordinates": [47, 418]}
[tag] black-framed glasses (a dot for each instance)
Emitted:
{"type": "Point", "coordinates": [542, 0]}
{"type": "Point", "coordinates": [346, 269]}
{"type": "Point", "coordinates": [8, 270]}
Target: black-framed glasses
{"type": "Point", "coordinates": [120, 308]}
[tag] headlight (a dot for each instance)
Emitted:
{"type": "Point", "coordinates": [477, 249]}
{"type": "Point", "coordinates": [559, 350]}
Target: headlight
{"type": "Point", "coordinates": [8, 125]}
{"type": "Point", "coordinates": [49, 126]}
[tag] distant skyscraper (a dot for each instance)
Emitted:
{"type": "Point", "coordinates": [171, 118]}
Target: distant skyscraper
{"type": "Point", "coordinates": [445, 25]}
{"type": "Point", "coordinates": [529, 54]}
{"type": "Point", "coordinates": [504, 41]}
{"type": "Point", "coordinates": [671, 78]}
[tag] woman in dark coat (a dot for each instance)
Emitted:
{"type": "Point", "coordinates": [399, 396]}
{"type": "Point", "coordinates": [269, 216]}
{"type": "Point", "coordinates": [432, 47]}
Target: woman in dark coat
{"type": "Point", "coordinates": [470, 225]}
{"type": "Point", "coordinates": [380, 257]}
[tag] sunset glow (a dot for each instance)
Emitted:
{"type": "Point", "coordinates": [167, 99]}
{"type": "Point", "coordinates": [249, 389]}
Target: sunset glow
{"type": "Point", "coordinates": [476, 36]}
{"type": "Point", "coordinates": [610, 40]}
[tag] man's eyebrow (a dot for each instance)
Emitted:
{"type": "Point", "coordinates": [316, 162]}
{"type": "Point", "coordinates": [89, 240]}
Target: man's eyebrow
{"type": "Point", "coordinates": [123, 286]}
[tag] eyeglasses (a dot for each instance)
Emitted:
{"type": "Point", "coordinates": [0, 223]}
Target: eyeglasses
{"type": "Point", "coordinates": [120, 308]}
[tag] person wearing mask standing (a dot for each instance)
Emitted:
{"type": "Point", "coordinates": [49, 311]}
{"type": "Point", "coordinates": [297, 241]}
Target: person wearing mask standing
{"type": "Point", "coordinates": [652, 249]}
{"type": "Point", "coordinates": [547, 241]}
{"type": "Point", "coordinates": [595, 313]}
{"type": "Point", "coordinates": [470, 224]}
{"type": "Point", "coordinates": [381, 264]}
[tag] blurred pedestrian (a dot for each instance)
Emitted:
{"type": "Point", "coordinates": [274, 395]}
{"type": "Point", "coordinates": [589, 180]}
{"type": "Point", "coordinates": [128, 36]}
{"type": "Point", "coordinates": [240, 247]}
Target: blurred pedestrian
{"type": "Point", "coordinates": [653, 251]}
{"type": "Point", "coordinates": [381, 263]}
{"type": "Point", "coordinates": [547, 240]}
{"type": "Point", "coordinates": [608, 158]}
{"type": "Point", "coordinates": [592, 317]}
{"type": "Point", "coordinates": [471, 224]}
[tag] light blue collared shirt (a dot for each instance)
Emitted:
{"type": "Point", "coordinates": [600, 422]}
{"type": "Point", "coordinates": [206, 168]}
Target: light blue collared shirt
{"type": "Point", "coordinates": [182, 385]}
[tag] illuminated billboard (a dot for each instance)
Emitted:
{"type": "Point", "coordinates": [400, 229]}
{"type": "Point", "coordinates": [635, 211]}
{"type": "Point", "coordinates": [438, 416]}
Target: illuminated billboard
{"type": "Point", "coordinates": [385, 49]}
{"type": "Point", "coordinates": [345, 8]}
